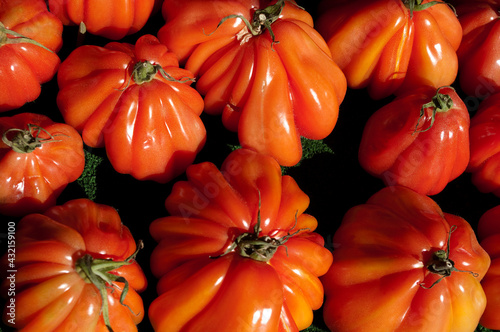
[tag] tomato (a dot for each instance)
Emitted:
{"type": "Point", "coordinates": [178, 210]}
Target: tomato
{"type": "Point", "coordinates": [479, 52]}
{"type": "Point", "coordinates": [136, 102]}
{"type": "Point", "coordinates": [73, 264]}
{"type": "Point", "coordinates": [38, 158]}
{"type": "Point", "coordinates": [113, 19]}
{"type": "Point", "coordinates": [419, 140]}
{"type": "Point", "coordinates": [30, 37]}
{"type": "Point", "coordinates": [272, 83]}
{"type": "Point", "coordinates": [401, 264]}
{"type": "Point", "coordinates": [489, 234]}
{"type": "Point", "coordinates": [485, 146]}
{"type": "Point", "coordinates": [237, 250]}
{"type": "Point", "coordinates": [389, 48]}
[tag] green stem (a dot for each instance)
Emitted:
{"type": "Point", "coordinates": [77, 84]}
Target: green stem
{"type": "Point", "coordinates": [440, 103]}
{"type": "Point", "coordinates": [26, 140]}
{"type": "Point", "coordinates": [442, 265]}
{"type": "Point", "coordinates": [97, 271]}
{"type": "Point", "coordinates": [417, 5]}
{"type": "Point", "coordinates": [17, 38]}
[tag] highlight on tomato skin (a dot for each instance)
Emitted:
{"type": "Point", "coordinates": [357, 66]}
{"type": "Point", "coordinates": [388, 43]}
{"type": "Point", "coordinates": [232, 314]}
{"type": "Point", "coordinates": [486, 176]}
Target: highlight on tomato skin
{"type": "Point", "coordinates": [112, 19]}
{"type": "Point", "coordinates": [485, 146]}
{"type": "Point", "coordinates": [478, 53]}
{"type": "Point", "coordinates": [489, 237]}
{"type": "Point", "coordinates": [135, 101]}
{"type": "Point", "coordinates": [402, 264]}
{"type": "Point", "coordinates": [30, 37]}
{"type": "Point", "coordinates": [419, 140]}
{"type": "Point", "coordinates": [38, 159]}
{"type": "Point", "coordinates": [262, 67]}
{"type": "Point", "coordinates": [391, 47]}
{"type": "Point", "coordinates": [75, 267]}
{"type": "Point", "coordinates": [237, 250]}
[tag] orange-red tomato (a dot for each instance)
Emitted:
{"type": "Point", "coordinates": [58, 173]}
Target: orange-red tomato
{"type": "Point", "coordinates": [419, 140]}
{"type": "Point", "coordinates": [488, 232]}
{"type": "Point", "coordinates": [30, 37]}
{"type": "Point", "coordinates": [401, 264]}
{"type": "Point", "coordinates": [72, 265]}
{"type": "Point", "coordinates": [38, 158]}
{"type": "Point", "coordinates": [386, 47]}
{"type": "Point", "coordinates": [272, 83]}
{"type": "Point", "coordinates": [136, 102]}
{"type": "Point", "coordinates": [113, 19]}
{"type": "Point", "coordinates": [237, 251]}
{"type": "Point", "coordinates": [484, 161]}
{"type": "Point", "coordinates": [479, 51]}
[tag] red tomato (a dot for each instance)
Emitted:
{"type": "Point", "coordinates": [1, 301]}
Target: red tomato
{"type": "Point", "coordinates": [113, 19]}
{"type": "Point", "coordinates": [135, 101]}
{"type": "Point", "coordinates": [272, 84]}
{"type": "Point", "coordinates": [237, 251]}
{"type": "Point", "coordinates": [30, 36]}
{"type": "Point", "coordinates": [419, 140]}
{"type": "Point", "coordinates": [485, 146]}
{"type": "Point", "coordinates": [388, 48]}
{"type": "Point", "coordinates": [488, 233]}
{"type": "Point", "coordinates": [479, 52]}
{"type": "Point", "coordinates": [401, 264]}
{"type": "Point", "coordinates": [38, 158]}
{"type": "Point", "coordinates": [73, 263]}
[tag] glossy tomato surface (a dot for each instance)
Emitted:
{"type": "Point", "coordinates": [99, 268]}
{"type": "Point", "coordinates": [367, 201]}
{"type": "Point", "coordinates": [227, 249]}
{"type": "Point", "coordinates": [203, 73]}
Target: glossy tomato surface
{"type": "Point", "coordinates": [30, 36]}
{"type": "Point", "coordinates": [272, 85]}
{"type": "Point", "coordinates": [51, 290]}
{"type": "Point", "coordinates": [419, 140]}
{"type": "Point", "coordinates": [384, 273]}
{"type": "Point", "coordinates": [489, 235]}
{"type": "Point", "coordinates": [38, 159]}
{"type": "Point", "coordinates": [237, 241]}
{"type": "Point", "coordinates": [389, 49]}
{"type": "Point", "coordinates": [113, 19]}
{"type": "Point", "coordinates": [479, 51]}
{"type": "Point", "coordinates": [485, 146]}
{"type": "Point", "coordinates": [135, 101]}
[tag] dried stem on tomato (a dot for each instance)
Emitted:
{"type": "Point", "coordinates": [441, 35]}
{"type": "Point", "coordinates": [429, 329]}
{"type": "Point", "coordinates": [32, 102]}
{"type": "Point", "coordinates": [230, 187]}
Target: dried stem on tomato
{"type": "Point", "coordinates": [441, 263]}
{"type": "Point", "coordinates": [440, 103]}
{"type": "Point", "coordinates": [260, 248]}
{"type": "Point", "coordinates": [97, 271]}
{"type": "Point", "coordinates": [11, 37]}
{"type": "Point", "coordinates": [27, 140]}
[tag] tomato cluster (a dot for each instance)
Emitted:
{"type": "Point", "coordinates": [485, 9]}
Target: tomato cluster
{"type": "Point", "coordinates": [249, 165]}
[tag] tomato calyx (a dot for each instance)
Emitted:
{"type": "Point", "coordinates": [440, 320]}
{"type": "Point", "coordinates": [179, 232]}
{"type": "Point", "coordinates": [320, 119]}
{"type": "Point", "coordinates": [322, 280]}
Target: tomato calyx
{"type": "Point", "coordinates": [16, 38]}
{"type": "Point", "coordinates": [262, 20]}
{"type": "Point", "coordinates": [145, 71]}
{"type": "Point", "coordinates": [441, 263]}
{"type": "Point", "coordinates": [417, 5]}
{"type": "Point", "coordinates": [27, 140]}
{"type": "Point", "coordinates": [97, 271]}
{"type": "Point", "coordinates": [440, 103]}
{"type": "Point", "coordinates": [260, 248]}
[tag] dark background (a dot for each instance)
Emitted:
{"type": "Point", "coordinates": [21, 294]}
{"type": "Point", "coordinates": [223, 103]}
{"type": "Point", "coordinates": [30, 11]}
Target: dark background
{"type": "Point", "coordinates": [334, 182]}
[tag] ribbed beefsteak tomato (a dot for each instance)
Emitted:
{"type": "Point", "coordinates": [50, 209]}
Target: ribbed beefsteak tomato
{"type": "Point", "coordinates": [135, 101]}
{"type": "Point", "coordinates": [392, 46]}
{"type": "Point", "coordinates": [419, 140]}
{"type": "Point", "coordinates": [479, 51]}
{"type": "Point", "coordinates": [488, 232]}
{"type": "Point", "coordinates": [30, 36]}
{"type": "Point", "coordinates": [260, 64]}
{"type": "Point", "coordinates": [38, 158]}
{"type": "Point", "coordinates": [75, 270]}
{"type": "Point", "coordinates": [237, 252]}
{"type": "Point", "coordinates": [401, 264]}
{"type": "Point", "coordinates": [113, 19]}
{"type": "Point", "coordinates": [485, 146]}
